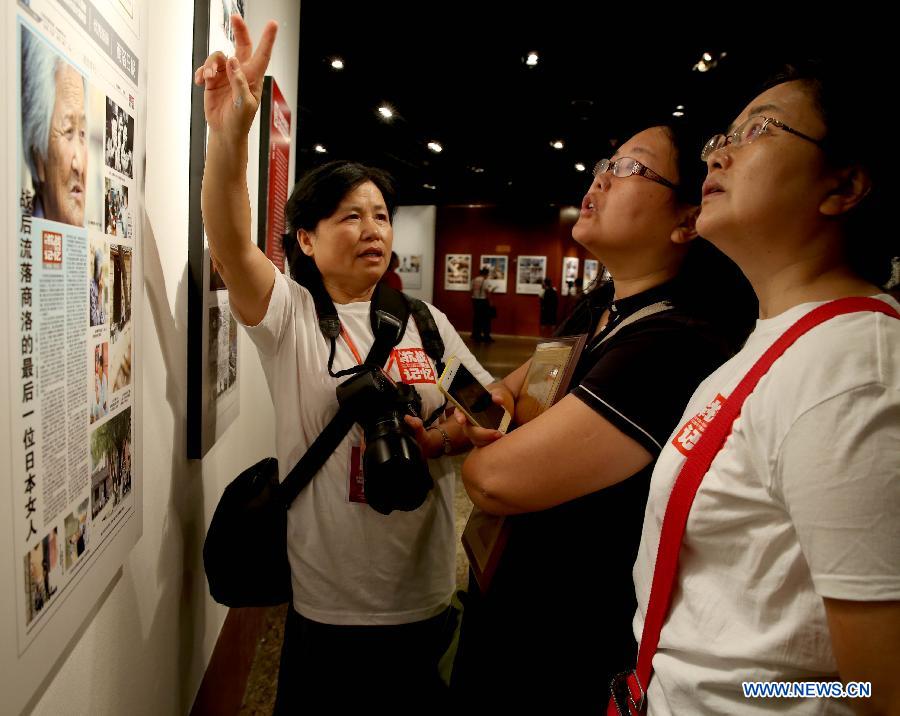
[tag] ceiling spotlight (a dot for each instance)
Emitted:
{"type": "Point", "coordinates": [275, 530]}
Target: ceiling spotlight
{"type": "Point", "coordinates": [532, 59]}
{"type": "Point", "coordinates": [557, 144]}
{"type": "Point", "coordinates": [435, 147]}
{"type": "Point", "coordinates": [708, 62]}
{"type": "Point", "coordinates": [579, 167]}
{"type": "Point", "coordinates": [385, 111]}
{"type": "Point", "coordinates": [319, 149]}
{"type": "Point", "coordinates": [337, 63]}
{"type": "Point", "coordinates": [677, 113]}
{"type": "Point", "coordinates": [680, 108]}
{"type": "Point", "coordinates": [477, 170]}
{"type": "Point", "coordinates": [429, 186]}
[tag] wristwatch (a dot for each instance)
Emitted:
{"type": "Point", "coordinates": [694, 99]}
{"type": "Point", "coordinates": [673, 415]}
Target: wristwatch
{"type": "Point", "coordinates": [444, 438]}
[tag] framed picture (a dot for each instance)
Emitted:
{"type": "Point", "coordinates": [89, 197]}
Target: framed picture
{"type": "Point", "coordinates": [410, 270]}
{"type": "Point", "coordinates": [530, 274]}
{"type": "Point", "coordinates": [458, 272]}
{"type": "Point", "coordinates": [212, 386]}
{"type": "Point", "coordinates": [274, 159]}
{"type": "Point", "coordinates": [569, 275]}
{"type": "Point", "coordinates": [499, 271]}
{"type": "Point", "coordinates": [591, 268]}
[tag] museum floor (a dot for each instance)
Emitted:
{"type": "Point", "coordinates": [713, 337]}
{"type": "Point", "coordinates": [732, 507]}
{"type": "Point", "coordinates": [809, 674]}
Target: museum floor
{"type": "Point", "coordinates": [499, 358]}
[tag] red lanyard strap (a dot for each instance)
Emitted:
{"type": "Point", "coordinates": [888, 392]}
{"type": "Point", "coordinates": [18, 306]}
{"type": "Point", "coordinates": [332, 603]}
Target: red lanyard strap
{"type": "Point", "coordinates": [350, 344]}
{"type": "Point", "coordinates": [688, 482]}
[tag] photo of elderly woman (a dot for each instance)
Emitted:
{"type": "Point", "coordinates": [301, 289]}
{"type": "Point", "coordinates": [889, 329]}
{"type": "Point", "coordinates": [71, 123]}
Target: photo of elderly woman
{"type": "Point", "coordinates": [54, 133]}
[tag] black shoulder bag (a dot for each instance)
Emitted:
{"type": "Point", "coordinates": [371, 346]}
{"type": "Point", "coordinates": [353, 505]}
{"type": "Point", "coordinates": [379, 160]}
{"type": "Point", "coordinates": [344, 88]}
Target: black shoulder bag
{"type": "Point", "coordinates": [245, 551]}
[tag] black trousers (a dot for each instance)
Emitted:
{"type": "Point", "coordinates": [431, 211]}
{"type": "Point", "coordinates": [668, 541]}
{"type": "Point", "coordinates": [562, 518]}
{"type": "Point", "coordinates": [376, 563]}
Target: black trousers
{"type": "Point", "coordinates": [384, 669]}
{"type": "Point", "coordinates": [481, 319]}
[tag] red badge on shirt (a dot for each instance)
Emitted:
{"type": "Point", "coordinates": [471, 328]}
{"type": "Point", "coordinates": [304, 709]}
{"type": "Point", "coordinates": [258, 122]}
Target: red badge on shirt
{"type": "Point", "coordinates": [413, 365]}
{"type": "Point", "coordinates": [686, 438]}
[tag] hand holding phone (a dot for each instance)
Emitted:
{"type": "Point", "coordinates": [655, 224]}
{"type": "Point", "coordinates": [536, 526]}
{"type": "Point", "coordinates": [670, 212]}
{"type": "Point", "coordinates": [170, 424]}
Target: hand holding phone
{"type": "Point", "coordinates": [472, 398]}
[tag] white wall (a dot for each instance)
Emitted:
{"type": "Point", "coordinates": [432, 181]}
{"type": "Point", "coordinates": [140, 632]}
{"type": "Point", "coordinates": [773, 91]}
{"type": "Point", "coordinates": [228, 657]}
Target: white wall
{"type": "Point", "coordinates": [146, 648]}
{"type": "Point", "coordinates": [414, 234]}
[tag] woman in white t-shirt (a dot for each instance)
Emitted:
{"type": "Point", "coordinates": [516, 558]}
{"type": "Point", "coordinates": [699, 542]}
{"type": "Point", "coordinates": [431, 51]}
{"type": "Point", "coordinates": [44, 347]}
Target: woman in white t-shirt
{"type": "Point", "coordinates": [789, 568]}
{"type": "Point", "coordinates": [370, 591]}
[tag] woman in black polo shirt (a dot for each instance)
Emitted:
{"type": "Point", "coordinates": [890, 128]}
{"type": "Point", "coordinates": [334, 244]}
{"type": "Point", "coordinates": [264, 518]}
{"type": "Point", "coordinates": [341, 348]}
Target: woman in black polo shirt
{"type": "Point", "coordinates": [555, 625]}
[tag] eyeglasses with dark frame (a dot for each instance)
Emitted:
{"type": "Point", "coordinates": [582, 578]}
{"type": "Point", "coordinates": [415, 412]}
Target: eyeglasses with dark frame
{"type": "Point", "coordinates": [626, 166]}
{"type": "Point", "coordinates": [748, 132]}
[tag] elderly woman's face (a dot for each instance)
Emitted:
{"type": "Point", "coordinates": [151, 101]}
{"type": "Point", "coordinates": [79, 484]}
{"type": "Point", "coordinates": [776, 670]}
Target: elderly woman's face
{"type": "Point", "coordinates": [629, 214]}
{"type": "Point", "coordinates": [353, 245]}
{"type": "Point", "coordinates": [63, 176]}
{"type": "Point", "coordinates": [760, 189]}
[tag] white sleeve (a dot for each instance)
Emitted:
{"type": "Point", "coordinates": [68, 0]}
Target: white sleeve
{"type": "Point", "coordinates": [839, 474]}
{"type": "Point", "coordinates": [269, 332]}
{"type": "Point", "coordinates": [454, 346]}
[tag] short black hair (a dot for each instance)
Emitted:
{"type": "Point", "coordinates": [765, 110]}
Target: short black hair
{"type": "Point", "coordinates": [316, 196]}
{"type": "Point", "coordinates": [847, 103]}
{"type": "Point", "coordinates": [687, 137]}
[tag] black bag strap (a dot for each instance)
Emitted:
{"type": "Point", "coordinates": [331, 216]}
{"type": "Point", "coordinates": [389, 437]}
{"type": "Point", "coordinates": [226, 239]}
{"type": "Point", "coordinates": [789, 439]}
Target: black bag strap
{"type": "Point", "coordinates": [389, 317]}
{"type": "Point", "coordinates": [431, 342]}
{"type": "Point", "coordinates": [428, 331]}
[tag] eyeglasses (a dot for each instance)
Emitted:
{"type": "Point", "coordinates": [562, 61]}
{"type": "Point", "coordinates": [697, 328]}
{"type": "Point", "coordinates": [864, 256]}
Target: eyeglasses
{"type": "Point", "coordinates": [748, 132]}
{"type": "Point", "coordinates": [626, 166]}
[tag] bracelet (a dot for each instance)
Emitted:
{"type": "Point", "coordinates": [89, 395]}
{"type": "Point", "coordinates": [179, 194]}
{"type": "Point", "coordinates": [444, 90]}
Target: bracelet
{"type": "Point", "coordinates": [444, 438]}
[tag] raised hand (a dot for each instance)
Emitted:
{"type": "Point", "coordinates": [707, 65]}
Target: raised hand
{"type": "Point", "coordinates": [234, 84]}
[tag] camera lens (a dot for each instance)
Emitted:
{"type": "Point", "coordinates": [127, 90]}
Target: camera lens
{"type": "Point", "coordinates": [397, 476]}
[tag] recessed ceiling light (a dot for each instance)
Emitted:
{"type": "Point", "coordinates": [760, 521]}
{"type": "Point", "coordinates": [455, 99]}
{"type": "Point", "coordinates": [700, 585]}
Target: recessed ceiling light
{"type": "Point", "coordinates": [320, 149]}
{"type": "Point", "coordinates": [435, 147]}
{"type": "Point", "coordinates": [677, 113]}
{"type": "Point", "coordinates": [579, 167]}
{"type": "Point", "coordinates": [477, 170]}
{"type": "Point", "coordinates": [708, 62]}
{"type": "Point", "coordinates": [337, 63]}
{"type": "Point", "coordinates": [680, 107]}
{"type": "Point", "coordinates": [532, 59]}
{"type": "Point", "coordinates": [385, 111]}
{"type": "Point", "coordinates": [557, 144]}
{"type": "Point", "coordinates": [429, 186]}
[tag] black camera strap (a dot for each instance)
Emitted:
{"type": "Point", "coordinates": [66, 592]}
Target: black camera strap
{"type": "Point", "coordinates": [389, 316]}
{"type": "Point", "coordinates": [326, 443]}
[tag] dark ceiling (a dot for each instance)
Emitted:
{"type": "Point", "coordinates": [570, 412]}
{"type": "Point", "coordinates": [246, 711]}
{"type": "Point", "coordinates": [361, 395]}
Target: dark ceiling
{"type": "Point", "coordinates": [455, 74]}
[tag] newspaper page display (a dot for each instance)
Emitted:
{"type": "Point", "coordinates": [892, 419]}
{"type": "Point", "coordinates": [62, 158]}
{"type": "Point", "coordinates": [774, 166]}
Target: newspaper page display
{"type": "Point", "coordinates": [71, 293]}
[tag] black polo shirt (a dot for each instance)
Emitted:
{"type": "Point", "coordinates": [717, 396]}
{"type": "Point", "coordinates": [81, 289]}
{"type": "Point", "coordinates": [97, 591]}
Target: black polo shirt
{"type": "Point", "coordinates": [558, 615]}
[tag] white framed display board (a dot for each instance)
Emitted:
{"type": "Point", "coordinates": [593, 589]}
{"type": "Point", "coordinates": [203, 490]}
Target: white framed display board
{"type": "Point", "coordinates": [458, 272]}
{"type": "Point", "coordinates": [71, 292]}
{"type": "Point", "coordinates": [498, 265]}
{"type": "Point", "coordinates": [530, 274]}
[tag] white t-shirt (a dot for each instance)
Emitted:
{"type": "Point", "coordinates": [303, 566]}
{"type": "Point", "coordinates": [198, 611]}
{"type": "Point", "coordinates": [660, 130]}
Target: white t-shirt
{"type": "Point", "coordinates": [349, 563]}
{"type": "Point", "coordinates": [801, 503]}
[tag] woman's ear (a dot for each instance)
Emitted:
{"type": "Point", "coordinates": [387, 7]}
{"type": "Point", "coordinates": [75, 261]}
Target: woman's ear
{"type": "Point", "coordinates": [853, 184]}
{"type": "Point", "coordinates": [304, 238]}
{"type": "Point", "coordinates": [687, 228]}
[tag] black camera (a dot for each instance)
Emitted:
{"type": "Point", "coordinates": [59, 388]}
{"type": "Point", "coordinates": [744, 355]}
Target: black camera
{"type": "Point", "coordinates": [396, 474]}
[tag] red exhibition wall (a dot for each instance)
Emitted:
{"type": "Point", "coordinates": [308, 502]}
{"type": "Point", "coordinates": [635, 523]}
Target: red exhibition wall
{"type": "Point", "coordinates": [511, 231]}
